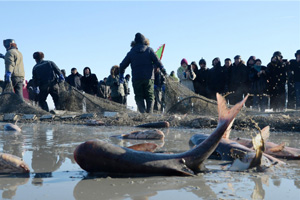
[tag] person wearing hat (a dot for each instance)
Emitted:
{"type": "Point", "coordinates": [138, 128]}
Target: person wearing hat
{"type": "Point", "coordinates": [186, 75]}
{"type": "Point", "coordinates": [238, 80]}
{"type": "Point", "coordinates": [74, 79]}
{"type": "Point", "coordinates": [227, 70]}
{"type": "Point", "coordinates": [14, 67]}
{"type": "Point", "coordinates": [216, 79]}
{"type": "Point", "coordinates": [46, 75]}
{"type": "Point", "coordinates": [294, 68]}
{"type": "Point", "coordinates": [277, 76]}
{"type": "Point", "coordinates": [143, 60]}
{"type": "Point", "coordinates": [201, 75]}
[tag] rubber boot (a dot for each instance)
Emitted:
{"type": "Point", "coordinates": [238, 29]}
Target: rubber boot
{"type": "Point", "coordinates": [150, 105]}
{"type": "Point", "coordinates": [141, 106]}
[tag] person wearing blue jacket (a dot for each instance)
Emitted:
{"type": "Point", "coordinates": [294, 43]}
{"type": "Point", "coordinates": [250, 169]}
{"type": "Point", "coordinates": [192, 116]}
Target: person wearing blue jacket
{"type": "Point", "coordinates": [143, 60]}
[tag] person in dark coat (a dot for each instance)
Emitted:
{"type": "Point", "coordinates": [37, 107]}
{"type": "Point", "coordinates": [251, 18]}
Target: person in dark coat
{"type": "Point", "coordinates": [126, 88]}
{"type": "Point", "coordinates": [216, 79]}
{"type": "Point", "coordinates": [250, 63]}
{"type": "Point", "coordinates": [238, 80]}
{"type": "Point", "coordinates": [46, 75]}
{"type": "Point", "coordinates": [277, 76]}
{"type": "Point", "coordinates": [227, 70]}
{"type": "Point", "coordinates": [196, 81]}
{"type": "Point", "coordinates": [143, 60]}
{"type": "Point", "coordinates": [159, 81]}
{"type": "Point", "coordinates": [89, 81]}
{"type": "Point", "coordinates": [117, 89]}
{"type": "Point", "coordinates": [202, 75]}
{"type": "Point", "coordinates": [74, 79]}
{"type": "Point", "coordinates": [103, 89]}
{"type": "Point", "coordinates": [258, 79]}
{"type": "Point", "coordinates": [33, 97]}
{"type": "Point", "coordinates": [295, 70]}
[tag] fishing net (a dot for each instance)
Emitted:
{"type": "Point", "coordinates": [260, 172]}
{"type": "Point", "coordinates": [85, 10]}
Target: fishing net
{"type": "Point", "coordinates": [71, 99]}
{"type": "Point", "coordinates": [179, 99]}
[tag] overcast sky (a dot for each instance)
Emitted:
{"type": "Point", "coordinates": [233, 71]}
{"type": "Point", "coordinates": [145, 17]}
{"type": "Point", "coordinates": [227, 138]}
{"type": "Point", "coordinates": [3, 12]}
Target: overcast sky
{"type": "Point", "coordinates": [98, 34]}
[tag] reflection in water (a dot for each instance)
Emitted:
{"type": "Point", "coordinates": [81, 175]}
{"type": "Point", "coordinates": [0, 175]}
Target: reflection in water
{"type": "Point", "coordinates": [139, 188]}
{"type": "Point", "coordinates": [259, 192]}
{"type": "Point", "coordinates": [9, 185]}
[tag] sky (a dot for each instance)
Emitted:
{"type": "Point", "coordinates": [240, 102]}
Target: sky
{"type": "Point", "coordinates": [98, 34]}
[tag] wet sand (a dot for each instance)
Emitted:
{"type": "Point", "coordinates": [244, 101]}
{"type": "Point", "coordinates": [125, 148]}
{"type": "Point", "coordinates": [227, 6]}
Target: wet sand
{"type": "Point", "coordinates": [48, 150]}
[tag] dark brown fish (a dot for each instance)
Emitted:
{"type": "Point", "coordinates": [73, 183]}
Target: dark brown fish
{"type": "Point", "coordinates": [163, 124]}
{"type": "Point", "coordinates": [99, 156]}
{"type": "Point", "coordinates": [143, 135]}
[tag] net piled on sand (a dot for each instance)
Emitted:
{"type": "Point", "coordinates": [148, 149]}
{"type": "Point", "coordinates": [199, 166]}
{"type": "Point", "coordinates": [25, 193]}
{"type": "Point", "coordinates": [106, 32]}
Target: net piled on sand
{"type": "Point", "coordinates": [12, 103]}
{"type": "Point", "coordinates": [72, 99]}
{"type": "Point", "coordinates": [179, 99]}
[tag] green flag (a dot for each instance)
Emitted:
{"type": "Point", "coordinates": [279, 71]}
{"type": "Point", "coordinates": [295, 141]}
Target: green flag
{"type": "Point", "coordinates": [160, 51]}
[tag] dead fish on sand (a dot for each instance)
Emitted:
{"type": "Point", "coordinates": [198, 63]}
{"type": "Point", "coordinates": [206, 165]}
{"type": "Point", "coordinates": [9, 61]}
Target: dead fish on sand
{"type": "Point", "coordinates": [163, 124]}
{"type": "Point", "coordinates": [12, 164]}
{"type": "Point", "coordinates": [143, 135]}
{"type": "Point", "coordinates": [12, 127]}
{"type": "Point", "coordinates": [100, 156]}
{"type": "Point", "coordinates": [276, 150]}
{"type": "Point", "coordinates": [92, 122]}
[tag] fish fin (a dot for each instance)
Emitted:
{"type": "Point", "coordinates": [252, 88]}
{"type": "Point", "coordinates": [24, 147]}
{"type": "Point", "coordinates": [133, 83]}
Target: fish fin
{"type": "Point", "coordinates": [278, 148]}
{"type": "Point", "coordinates": [258, 142]}
{"type": "Point", "coordinates": [238, 165]}
{"type": "Point", "coordinates": [265, 133]}
{"type": "Point", "coordinates": [224, 112]}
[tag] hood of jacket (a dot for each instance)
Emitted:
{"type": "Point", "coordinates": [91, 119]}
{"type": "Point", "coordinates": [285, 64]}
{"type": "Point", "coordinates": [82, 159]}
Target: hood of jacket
{"type": "Point", "coordinates": [85, 69]}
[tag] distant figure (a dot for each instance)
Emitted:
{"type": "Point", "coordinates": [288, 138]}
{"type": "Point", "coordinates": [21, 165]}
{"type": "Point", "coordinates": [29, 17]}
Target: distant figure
{"type": "Point", "coordinates": [63, 71]}
{"type": "Point", "coordinates": [173, 77]}
{"type": "Point", "coordinates": [250, 63]}
{"type": "Point", "coordinates": [216, 79]}
{"type": "Point", "coordinates": [46, 75]}
{"type": "Point", "coordinates": [238, 80]}
{"type": "Point", "coordinates": [196, 81]}
{"type": "Point", "coordinates": [117, 89]}
{"type": "Point", "coordinates": [103, 89]}
{"type": "Point", "coordinates": [159, 82]}
{"type": "Point", "coordinates": [202, 76]}
{"type": "Point", "coordinates": [89, 81]}
{"type": "Point", "coordinates": [33, 96]}
{"type": "Point", "coordinates": [186, 75]}
{"type": "Point", "coordinates": [142, 60]}
{"type": "Point", "coordinates": [227, 70]}
{"type": "Point", "coordinates": [277, 76]}
{"type": "Point", "coordinates": [74, 79]}
{"type": "Point", "coordinates": [126, 88]}
{"type": "Point", "coordinates": [295, 70]}
{"type": "Point", "coordinates": [258, 77]}
{"type": "Point", "coordinates": [14, 67]}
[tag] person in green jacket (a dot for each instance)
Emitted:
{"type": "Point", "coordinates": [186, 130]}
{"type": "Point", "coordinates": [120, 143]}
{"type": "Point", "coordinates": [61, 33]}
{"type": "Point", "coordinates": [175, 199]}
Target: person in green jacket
{"type": "Point", "coordinates": [14, 67]}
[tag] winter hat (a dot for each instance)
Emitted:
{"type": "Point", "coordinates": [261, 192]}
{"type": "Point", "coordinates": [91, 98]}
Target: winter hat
{"type": "Point", "coordinates": [277, 53]}
{"type": "Point", "coordinates": [202, 61]}
{"type": "Point", "coordinates": [237, 57]}
{"type": "Point", "coordinates": [139, 38]}
{"type": "Point", "coordinates": [184, 61]}
{"type": "Point", "coordinates": [297, 53]}
{"type": "Point", "coordinates": [38, 55]}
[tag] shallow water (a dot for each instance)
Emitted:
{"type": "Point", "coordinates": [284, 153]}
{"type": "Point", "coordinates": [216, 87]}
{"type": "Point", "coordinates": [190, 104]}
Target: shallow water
{"type": "Point", "coordinates": [48, 150]}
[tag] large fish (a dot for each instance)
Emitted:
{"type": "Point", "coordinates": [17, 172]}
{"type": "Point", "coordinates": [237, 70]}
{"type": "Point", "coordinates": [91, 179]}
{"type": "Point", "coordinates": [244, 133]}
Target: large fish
{"type": "Point", "coordinates": [12, 164]}
{"type": "Point", "coordinates": [275, 150]}
{"type": "Point", "coordinates": [99, 156]}
{"type": "Point", "coordinates": [230, 150]}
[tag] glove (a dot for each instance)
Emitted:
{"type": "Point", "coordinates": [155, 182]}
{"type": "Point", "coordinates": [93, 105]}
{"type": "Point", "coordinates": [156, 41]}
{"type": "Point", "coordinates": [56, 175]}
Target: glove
{"type": "Point", "coordinates": [61, 78]}
{"type": "Point", "coordinates": [121, 78]}
{"type": "Point", "coordinates": [155, 87]}
{"type": "Point", "coordinates": [36, 90]}
{"type": "Point", "coordinates": [163, 71]}
{"type": "Point", "coordinates": [1, 55]}
{"type": "Point", "coordinates": [163, 88]}
{"type": "Point", "coordinates": [8, 77]}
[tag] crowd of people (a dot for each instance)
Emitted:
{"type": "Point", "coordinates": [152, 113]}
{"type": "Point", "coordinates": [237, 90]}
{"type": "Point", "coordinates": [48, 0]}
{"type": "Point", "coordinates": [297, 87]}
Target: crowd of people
{"type": "Point", "coordinates": [234, 80]}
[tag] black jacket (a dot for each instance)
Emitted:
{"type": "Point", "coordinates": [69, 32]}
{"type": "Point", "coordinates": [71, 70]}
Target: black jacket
{"type": "Point", "coordinates": [239, 77]}
{"type": "Point", "coordinates": [89, 82]}
{"type": "Point", "coordinates": [295, 68]}
{"type": "Point", "coordinates": [142, 60]}
{"type": "Point", "coordinates": [45, 72]}
{"type": "Point", "coordinates": [258, 83]}
{"type": "Point", "coordinates": [74, 80]}
{"type": "Point", "coordinates": [216, 80]}
{"type": "Point", "coordinates": [277, 76]}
